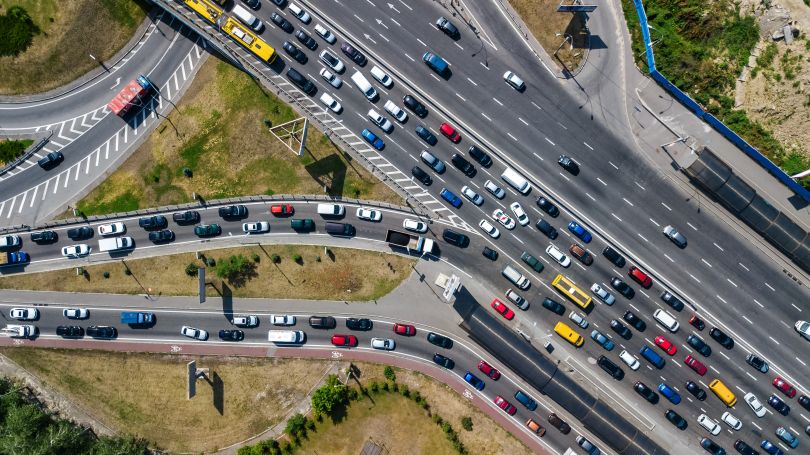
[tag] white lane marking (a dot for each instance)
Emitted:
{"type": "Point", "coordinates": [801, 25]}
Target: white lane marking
{"type": "Point", "coordinates": [757, 302]}
{"type": "Point", "coordinates": [794, 306]}
{"type": "Point", "coordinates": [510, 135]}
{"type": "Point", "coordinates": [706, 262]}
{"type": "Point", "coordinates": [670, 259]}
{"type": "Point", "coordinates": [563, 126]}
{"type": "Point", "coordinates": [693, 277]}
{"type": "Point", "coordinates": [538, 107]}
{"type": "Point", "coordinates": [773, 340]}
{"type": "Point", "coordinates": [564, 176]}
{"type": "Point", "coordinates": [746, 268]}
{"type": "Point", "coordinates": [472, 82]}
{"type": "Point", "coordinates": [496, 100]}
{"type": "Point", "coordinates": [486, 116]}
{"type": "Point", "coordinates": [769, 286]}
{"type": "Point", "coordinates": [410, 58]}
{"type": "Point", "coordinates": [801, 361]}
{"type": "Point", "coordinates": [642, 237]}
{"type": "Point", "coordinates": [655, 222]}
{"type": "Point", "coordinates": [538, 156]}
{"type": "Point", "coordinates": [666, 206]}
{"type": "Point", "coordinates": [749, 321]}
{"type": "Point", "coordinates": [616, 167]}
{"type": "Point", "coordinates": [600, 181]}
{"type": "Point", "coordinates": [521, 241]}
{"type": "Point", "coordinates": [628, 202]}
{"type": "Point", "coordinates": [614, 216]}
{"type": "Point", "coordinates": [735, 284]}
{"type": "Point", "coordinates": [718, 246]}
{"type": "Point", "coordinates": [638, 185]}
{"type": "Point", "coordinates": [462, 98]}
{"type": "Point", "coordinates": [589, 195]}
{"type": "Point", "coordinates": [720, 298]}
{"type": "Point", "coordinates": [586, 145]}
{"type": "Point", "coordinates": [690, 225]}
{"type": "Point", "coordinates": [524, 121]}
{"type": "Point", "coordinates": [549, 141]}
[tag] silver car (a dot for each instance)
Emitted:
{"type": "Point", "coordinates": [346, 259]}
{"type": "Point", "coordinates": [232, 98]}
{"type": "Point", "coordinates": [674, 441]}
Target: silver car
{"type": "Point", "coordinates": [191, 332]}
{"type": "Point", "coordinates": [76, 313]}
{"type": "Point", "coordinates": [282, 319]}
{"type": "Point", "coordinates": [676, 237]}
{"type": "Point", "coordinates": [385, 344]}
{"type": "Point", "coordinates": [496, 191]}
{"type": "Point", "coordinates": [515, 81]}
{"type": "Point", "coordinates": [380, 121]}
{"type": "Point", "coordinates": [604, 295]}
{"type": "Point", "coordinates": [332, 61]}
{"type": "Point", "coordinates": [476, 198]}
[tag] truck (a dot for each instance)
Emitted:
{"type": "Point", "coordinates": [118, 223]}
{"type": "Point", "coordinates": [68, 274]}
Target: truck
{"type": "Point", "coordinates": [115, 243]}
{"type": "Point", "coordinates": [131, 96]}
{"type": "Point", "coordinates": [411, 242]}
{"type": "Point", "coordinates": [19, 331]}
{"type": "Point", "coordinates": [13, 258]}
{"type": "Point", "coordinates": [137, 318]}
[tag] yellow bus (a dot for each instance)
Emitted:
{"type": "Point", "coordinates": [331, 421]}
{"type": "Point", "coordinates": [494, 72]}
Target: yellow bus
{"type": "Point", "coordinates": [574, 294]}
{"type": "Point", "coordinates": [252, 42]}
{"type": "Point", "coordinates": [723, 393]}
{"type": "Point", "coordinates": [569, 334]}
{"type": "Point", "coordinates": [206, 9]}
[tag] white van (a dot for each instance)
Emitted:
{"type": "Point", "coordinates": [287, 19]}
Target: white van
{"type": "Point", "coordinates": [115, 243]}
{"type": "Point", "coordinates": [248, 19]}
{"type": "Point", "coordinates": [667, 320]}
{"type": "Point", "coordinates": [364, 85]}
{"type": "Point", "coordinates": [286, 336]}
{"type": "Point", "coordinates": [381, 77]}
{"type": "Point", "coordinates": [517, 278]}
{"type": "Point", "coordinates": [516, 180]}
{"type": "Point", "coordinates": [331, 209]}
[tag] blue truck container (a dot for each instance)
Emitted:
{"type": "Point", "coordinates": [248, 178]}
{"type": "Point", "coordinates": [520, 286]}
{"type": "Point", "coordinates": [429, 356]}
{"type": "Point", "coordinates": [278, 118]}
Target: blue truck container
{"type": "Point", "coordinates": [14, 258]}
{"type": "Point", "coordinates": [137, 318]}
{"type": "Point", "coordinates": [436, 63]}
{"type": "Point", "coordinates": [652, 356]}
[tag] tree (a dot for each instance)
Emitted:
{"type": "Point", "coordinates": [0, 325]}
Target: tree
{"type": "Point", "coordinates": [466, 423]}
{"type": "Point", "coordinates": [296, 426]}
{"type": "Point", "coordinates": [236, 269]}
{"type": "Point", "coordinates": [389, 373]}
{"type": "Point", "coordinates": [329, 396]}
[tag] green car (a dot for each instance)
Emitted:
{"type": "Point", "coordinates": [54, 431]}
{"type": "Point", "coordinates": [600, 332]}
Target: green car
{"type": "Point", "coordinates": [532, 261]}
{"type": "Point", "coordinates": [207, 230]}
{"type": "Point", "coordinates": [302, 225]}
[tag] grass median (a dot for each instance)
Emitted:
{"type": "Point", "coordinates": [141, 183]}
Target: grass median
{"type": "Point", "coordinates": [551, 29]}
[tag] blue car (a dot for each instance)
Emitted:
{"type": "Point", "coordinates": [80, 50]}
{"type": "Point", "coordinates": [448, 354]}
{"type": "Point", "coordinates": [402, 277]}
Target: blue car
{"type": "Point", "coordinates": [372, 139]}
{"type": "Point", "coordinates": [669, 393]}
{"type": "Point", "coordinates": [579, 231]}
{"type": "Point", "coordinates": [448, 196]}
{"type": "Point", "coordinates": [426, 135]}
{"type": "Point", "coordinates": [474, 381]}
{"type": "Point", "coordinates": [769, 447]}
{"type": "Point", "coordinates": [525, 400]}
{"type": "Point", "coordinates": [602, 340]}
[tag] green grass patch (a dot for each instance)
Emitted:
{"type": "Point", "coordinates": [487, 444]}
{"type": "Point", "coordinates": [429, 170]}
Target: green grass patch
{"type": "Point", "coordinates": [10, 150]}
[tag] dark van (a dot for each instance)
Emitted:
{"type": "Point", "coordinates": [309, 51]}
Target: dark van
{"type": "Point", "coordinates": [340, 229]}
{"type": "Point", "coordinates": [301, 81]}
{"type": "Point", "coordinates": [302, 225]}
{"type": "Point", "coordinates": [652, 356]}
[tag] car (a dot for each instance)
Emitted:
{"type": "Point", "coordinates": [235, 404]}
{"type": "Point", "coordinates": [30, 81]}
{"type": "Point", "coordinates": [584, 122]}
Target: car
{"type": "Point", "coordinates": [803, 329]}
{"type": "Point", "coordinates": [669, 393]}
{"type": "Point", "coordinates": [282, 23]}
{"type": "Point", "coordinates": [116, 228]}
{"type": "Point", "coordinates": [672, 301]}
{"type": "Point", "coordinates": [24, 314]}
{"type": "Point", "coordinates": [559, 423]}
{"type": "Point", "coordinates": [753, 402]}
{"type": "Point", "coordinates": [322, 322]}
{"type": "Point", "coordinates": [368, 214]}
{"type": "Point", "coordinates": [474, 381]}
{"type": "Point", "coordinates": [426, 135]}
{"type": "Point", "coordinates": [154, 222]}
{"type": "Point", "coordinates": [450, 132]}
{"type": "Point", "coordinates": [712, 447]}
{"type": "Point", "coordinates": [635, 321]}
{"type": "Point", "coordinates": [646, 392]}
{"type": "Point", "coordinates": [507, 407]}
{"type": "Point", "coordinates": [301, 81]}
{"type": "Point", "coordinates": [372, 139]}
{"type": "Point", "coordinates": [558, 255]}
{"type": "Point", "coordinates": [380, 121]}
{"type": "Point", "coordinates": [80, 233]}
{"type": "Point", "coordinates": [531, 261]}
{"type": "Point", "coordinates": [640, 277]}
{"type": "Point", "coordinates": [502, 309]}
{"type": "Point", "coordinates": [695, 364]}
{"type": "Point", "coordinates": [444, 361]}
{"type": "Point", "coordinates": [450, 197]}
{"type": "Point", "coordinates": [578, 319]}
{"type": "Point", "coordinates": [325, 34]}
{"type": "Point", "coordinates": [306, 40]}
{"type": "Point", "coordinates": [161, 236]}
{"type": "Point", "coordinates": [75, 251]}
{"type": "Point", "coordinates": [720, 337]}
{"type": "Point", "coordinates": [676, 237]}
{"type": "Point", "coordinates": [404, 329]}
{"type": "Point", "coordinates": [580, 253]}
{"type": "Point", "coordinates": [381, 77]}
{"type": "Point", "coordinates": [433, 162]}
{"type": "Point", "coordinates": [418, 108]}
{"type": "Point", "coordinates": [602, 340]}
{"type": "Point", "coordinates": [696, 322]}
{"type": "Point", "coordinates": [520, 214]}
{"type": "Point", "coordinates": [580, 232]}
{"type": "Point", "coordinates": [282, 210]}
{"type": "Point", "coordinates": [334, 81]}
{"type": "Point", "coordinates": [474, 197]}
{"type": "Point", "coordinates": [804, 401]}
{"type": "Point", "coordinates": [525, 400]}
{"type": "Point", "coordinates": [439, 340]}
{"type": "Point", "coordinates": [568, 164]}
{"type": "Point", "coordinates": [490, 254]}
{"type": "Point", "coordinates": [487, 227]}
{"type": "Point", "coordinates": [630, 360]}
{"type": "Point", "coordinates": [784, 387]}
{"type": "Point", "coordinates": [496, 191]}
{"type": "Point", "coordinates": [553, 306]}
{"type": "Point", "coordinates": [675, 419]}
{"type": "Point", "coordinates": [733, 422]}
{"type": "Point", "coordinates": [587, 446]}
{"type": "Point", "coordinates": [282, 319]}
{"type": "Point", "coordinates": [207, 230]}
{"type": "Point", "coordinates": [187, 217]}
{"type": "Point", "coordinates": [233, 211]}
{"type": "Point", "coordinates": [231, 335]}
{"type": "Point", "coordinates": [76, 313]}
{"type": "Point", "coordinates": [191, 332]}
{"type": "Point", "coordinates": [101, 331]}
{"type": "Point", "coordinates": [770, 448]}
{"type": "Point", "coordinates": [44, 237]}
{"type": "Point", "coordinates": [455, 238]}
{"type": "Point", "coordinates": [421, 175]}
{"type": "Point", "coordinates": [69, 331]}
{"type": "Point", "coordinates": [695, 390]}
{"type": "Point", "coordinates": [545, 228]}
{"type": "Point", "coordinates": [50, 160]}
{"type": "Point", "coordinates": [490, 371]}
{"type": "Point", "coordinates": [666, 345]}
{"type": "Point", "coordinates": [414, 225]}
{"type": "Point", "coordinates": [603, 295]}
{"type": "Point", "coordinates": [744, 448]}
{"type": "Point", "coordinates": [299, 12]}
{"type": "Point", "coordinates": [347, 341]}
{"type": "Point", "coordinates": [359, 324]}
{"type": "Point", "coordinates": [354, 54]}
{"type": "Point", "coordinates": [302, 225]}
{"type": "Point", "coordinates": [789, 438]}
{"type": "Point", "coordinates": [479, 155]}
{"type": "Point", "coordinates": [463, 165]}
{"type": "Point", "coordinates": [501, 217]}
{"type": "Point", "coordinates": [395, 111]}
{"type": "Point", "coordinates": [447, 27]}
{"type": "Point", "coordinates": [546, 206]}
{"type": "Point", "coordinates": [535, 427]}
{"type": "Point", "coordinates": [385, 344]}
{"type": "Point", "coordinates": [514, 80]}
{"type": "Point", "coordinates": [614, 257]}
{"type": "Point", "coordinates": [757, 362]}
{"type": "Point", "coordinates": [621, 329]}
{"type": "Point", "coordinates": [256, 227]}
{"type": "Point", "coordinates": [246, 320]}
{"type": "Point", "coordinates": [610, 368]}
{"type": "Point", "coordinates": [623, 288]}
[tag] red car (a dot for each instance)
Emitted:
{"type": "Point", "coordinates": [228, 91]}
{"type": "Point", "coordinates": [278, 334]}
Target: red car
{"type": "Point", "coordinates": [282, 209]}
{"type": "Point", "coordinates": [450, 132]}
{"type": "Point", "coordinates": [344, 340]}
{"type": "Point", "coordinates": [404, 329]}
{"type": "Point", "coordinates": [503, 309]}
{"type": "Point", "coordinates": [489, 370]}
{"type": "Point", "coordinates": [641, 278]}
{"type": "Point", "coordinates": [666, 345]}
{"type": "Point", "coordinates": [697, 322]}
{"type": "Point", "coordinates": [695, 364]}
{"type": "Point", "coordinates": [783, 385]}
{"type": "Point", "coordinates": [505, 405]}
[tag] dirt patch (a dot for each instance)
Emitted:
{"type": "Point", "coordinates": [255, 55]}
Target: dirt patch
{"type": "Point", "coordinates": [568, 50]}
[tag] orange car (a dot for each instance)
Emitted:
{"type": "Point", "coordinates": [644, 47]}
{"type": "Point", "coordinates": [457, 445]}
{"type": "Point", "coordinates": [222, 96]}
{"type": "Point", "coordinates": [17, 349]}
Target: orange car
{"type": "Point", "coordinates": [282, 209]}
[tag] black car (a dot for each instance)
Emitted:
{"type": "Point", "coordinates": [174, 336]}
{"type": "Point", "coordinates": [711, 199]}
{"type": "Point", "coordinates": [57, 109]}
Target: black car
{"type": "Point", "coordinates": [70, 331]}
{"type": "Point", "coordinates": [447, 27]}
{"type": "Point", "coordinates": [50, 160]}
{"type": "Point", "coordinates": [720, 337]}
{"type": "Point", "coordinates": [306, 40]}
{"type": "Point", "coordinates": [712, 447]}
{"type": "Point", "coordinates": [455, 238]}
{"type": "Point", "coordinates": [646, 392]}
{"type": "Point", "coordinates": [672, 301]}
{"type": "Point", "coordinates": [559, 423]}
{"type": "Point", "coordinates": [635, 321]}
{"type": "Point", "coordinates": [253, 3]}
{"type": "Point", "coordinates": [554, 307]}
{"type": "Point", "coordinates": [165, 235]}
{"type": "Point", "coordinates": [480, 156]}
{"type": "Point", "coordinates": [695, 390]}
{"type": "Point", "coordinates": [545, 228]}
{"type": "Point", "coordinates": [44, 237]}
{"type": "Point", "coordinates": [80, 233]}
{"type": "Point", "coordinates": [301, 81]}
{"type": "Point", "coordinates": [780, 406]}
{"type": "Point", "coordinates": [418, 108]}
{"type": "Point", "coordinates": [440, 341]}
{"type": "Point", "coordinates": [546, 206]}
{"type": "Point", "coordinates": [610, 368]}
{"type": "Point", "coordinates": [490, 254]}
{"type": "Point", "coordinates": [757, 362]}
{"type": "Point", "coordinates": [620, 328]}
{"type": "Point", "coordinates": [804, 401]}
{"type": "Point", "coordinates": [675, 419]}
{"type": "Point", "coordinates": [614, 257]}
{"type": "Point", "coordinates": [699, 345]}
{"type": "Point", "coordinates": [623, 288]}
{"type": "Point", "coordinates": [293, 51]}
{"type": "Point", "coordinates": [463, 165]}
{"type": "Point", "coordinates": [421, 175]}
{"type": "Point", "coordinates": [153, 222]}
{"type": "Point", "coordinates": [426, 135]}
{"type": "Point", "coordinates": [568, 164]}
{"type": "Point", "coordinates": [322, 322]}
{"type": "Point", "coordinates": [744, 448]}
{"type": "Point", "coordinates": [101, 331]}
{"type": "Point", "coordinates": [233, 211]}
{"type": "Point", "coordinates": [444, 361]}
{"type": "Point", "coordinates": [187, 217]}
{"type": "Point", "coordinates": [207, 230]}
{"type": "Point", "coordinates": [282, 23]}
{"type": "Point", "coordinates": [231, 335]}
{"type": "Point", "coordinates": [353, 54]}
{"type": "Point", "coordinates": [359, 324]}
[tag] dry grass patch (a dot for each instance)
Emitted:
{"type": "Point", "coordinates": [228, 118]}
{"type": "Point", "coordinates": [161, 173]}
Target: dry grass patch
{"type": "Point", "coordinates": [352, 275]}
{"type": "Point", "coordinates": [545, 22]}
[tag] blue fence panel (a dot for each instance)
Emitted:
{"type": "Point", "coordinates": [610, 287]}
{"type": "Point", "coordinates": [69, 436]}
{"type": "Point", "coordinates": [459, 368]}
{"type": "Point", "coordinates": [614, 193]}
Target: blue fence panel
{"type": "Point", "coordinates": [645, 32]}
{"type": "Point", "coordinates": [677, 93]}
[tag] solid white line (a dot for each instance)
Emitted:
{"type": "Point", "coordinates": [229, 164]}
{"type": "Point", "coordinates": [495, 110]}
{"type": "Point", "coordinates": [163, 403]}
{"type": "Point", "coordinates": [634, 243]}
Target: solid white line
{"type": "Point", "coordinates": [586, 145]}
{"type": "Point", "coordinates": [549, 141]}
{"type": "Point", "coordinates": [601, 181]}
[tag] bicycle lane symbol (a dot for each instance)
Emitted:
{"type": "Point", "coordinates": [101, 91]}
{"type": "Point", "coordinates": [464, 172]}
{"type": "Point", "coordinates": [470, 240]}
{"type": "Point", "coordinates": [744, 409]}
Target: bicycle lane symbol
{"type": "Point", "coordinates": [467, 394]}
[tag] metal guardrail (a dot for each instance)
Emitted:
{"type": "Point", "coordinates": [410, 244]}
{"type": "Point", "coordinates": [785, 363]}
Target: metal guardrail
{"type": "Point", "coordinates": [27, 154]}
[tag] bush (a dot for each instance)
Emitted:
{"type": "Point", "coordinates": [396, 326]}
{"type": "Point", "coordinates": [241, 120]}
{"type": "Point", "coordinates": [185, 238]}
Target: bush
{"type": "Point", "coordinates": [296, 426]}
{"type": "Point", "coordinates": [127, 271]}
{"type": "Point", "coordinates": [403, 389]}
{"type": "Point", "coordinates": [466, 423]}
{"type": "Point", "coordinates": [275, 258]}
{"type": "Point", "coordinates": [191, 269]}
{"type": "Point", "coordinates": [437, 419]}
{"type": "Point", "coordinates": [389, 374]}
{"type": "Point", "coordinates": [236, 269]}
{"type": "Point", "coordinates": [446, 427]}
{"type": "Point", "coordinates": [297, 258]}
{"type": "Point", "coordinates": [385, 386]}
{"type": "Point", "coordinates": [417, 397]}
{"type": "Point", "coordinates": [106, 274]}
{"type": "Point", "coordinates": [256, 257]}
{"type": "Point", "coordinates": [317, 259]}
{"type": "Point", "coordinates": [10, 150]}
{"type": "Point", "coordinates": [374, 387]}
{"type": "Point", "coordinates": [395, 387]}
{"type": "Point", "coordinates": [211, 262]}
{"type": "Point", "coordinates": [17, 31]}
{"type": "Point", "coordinates": [329, 396]}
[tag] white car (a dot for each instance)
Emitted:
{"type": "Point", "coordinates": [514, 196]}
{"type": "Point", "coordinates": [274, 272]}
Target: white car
{"type": "Point", "coordinates": [76, 251]}
{"type": "Point", "coordinates": [7, 241]}
{"type": "Point", "coordinates": [20, 331]}
{"type": "Point", "coordinates": [327, 36]}
{"type": "Point", "coordinates": [558, 255]}
{"type": "Point", "coordinates": [112, 229]}
{"type": "Point", "coordinates": [513, 80]}
{"type": "Point", "coordinates": [191, 332]}
{"type": "Point", "coordinates": [282, 319]}
{"type": "Point", "coordinates": [256, 227]}
{"type": "Point", "coordinates": [246, 321]}
{"type": "Point", "coordinates": [604, 295]}
{"type": "Point", "coordinates": [474, 197]}
{"type": "Point", "coordinates": [754, 404]}
{"type": "Point", "coordinates": [517, 299]}
{"type": "Point", "coordinates": [630, 360]}
{"type": "Point", "coordinates": [803, 327]}
{"type": "Point", "coordinates": [503, 218]}
{"type": "Point", "coordinates": [380, 121]}
{"type": "Point", "coordinates": [368, 214]}
{"type": "Point", "coordinates": [331, 103]}
{"type": "Point", "coordinates": [496, 191]}
{"type": "Point", "coordinates": [710, 425]}
{"type": "Point", "coordinates": [395, 111]}
{"type": "Point", "coordinates": [381, 77]}
{"type": "Point", "coordinates": [731, 421]}
{"type": "Point", "coordinates": [414, 225]}
{"type": "Point", "coordinates": [385, 344]}
{"type": "Point", "coordinates": [76, 313]}
{"type": "Point", "coordinates": [24, 314]}
{"type": "Point", "coordinates": [331, 77]}
{"type": "Point", "coordinates": [487, 227]}
{"type": "Point", "coordinates": [578, 319]}
{"type": "Point", "coordinates": [520, 214]}
{"type": "Point", "coordinates": [332, 61]}
{"type": "Point", "coordinates": [299, 12]}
